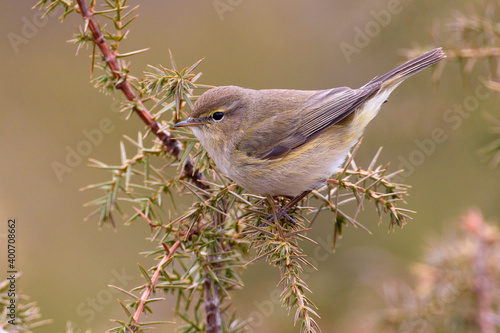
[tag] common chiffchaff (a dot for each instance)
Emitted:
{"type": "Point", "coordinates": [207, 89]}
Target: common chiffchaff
{"type": "Point", "coordinates": [284, 142]}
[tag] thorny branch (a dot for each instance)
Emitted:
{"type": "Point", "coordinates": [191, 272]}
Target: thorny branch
{"type": "Point", "coordinates": [224, 212]}
{"type": "Point", "coordinates": [171, 145]}
{"type": "Point", "coordinates": [154, 280]}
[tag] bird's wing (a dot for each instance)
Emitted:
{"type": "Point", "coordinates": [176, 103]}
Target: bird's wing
{"type": "Point", "coordinates": [272, 137]}
{"type": "Point", "coordinates": [328, 107]}
{"type": "Point", "coordinates": [290, 130]}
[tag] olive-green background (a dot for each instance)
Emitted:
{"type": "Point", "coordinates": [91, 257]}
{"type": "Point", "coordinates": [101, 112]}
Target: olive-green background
{"type": "Point", "coordinates": [47, 102]}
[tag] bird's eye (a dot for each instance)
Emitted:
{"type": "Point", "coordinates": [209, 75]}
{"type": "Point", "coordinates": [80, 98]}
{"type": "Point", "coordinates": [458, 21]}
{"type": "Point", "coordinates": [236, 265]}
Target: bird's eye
{"type": "Point", "coordinates": [218, 115]}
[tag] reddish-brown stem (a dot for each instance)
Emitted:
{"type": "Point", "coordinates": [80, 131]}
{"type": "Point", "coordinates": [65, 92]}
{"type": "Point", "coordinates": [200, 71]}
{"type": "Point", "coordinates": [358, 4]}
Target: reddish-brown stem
{"type": "Point", "coordinates": [152, 284]}
{"type": "Point", "coordinates": [171, 145]}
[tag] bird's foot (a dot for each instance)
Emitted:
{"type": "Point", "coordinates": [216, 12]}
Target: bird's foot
{"type": "Point", "coordinates": [280, 214]}
{"type": "Point", "coordinates": [277, 214]}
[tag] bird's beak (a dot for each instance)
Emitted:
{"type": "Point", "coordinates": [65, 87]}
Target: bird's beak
{"type": "Point", "coordinates": [189, 122]}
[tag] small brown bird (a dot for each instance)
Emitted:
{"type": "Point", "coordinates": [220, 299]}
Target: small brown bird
{"type": "Point", "coordinates": [285, 142]}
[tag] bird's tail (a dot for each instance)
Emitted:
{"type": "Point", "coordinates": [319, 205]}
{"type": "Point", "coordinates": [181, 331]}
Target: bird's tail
{"type": "Point", "coordinates": [382, 86]}
{"type": "Point", "coordinates": [393, 78]}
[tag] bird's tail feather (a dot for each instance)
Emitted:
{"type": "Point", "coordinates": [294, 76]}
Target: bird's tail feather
{"type": "Point", "coordinates": [401, 73]}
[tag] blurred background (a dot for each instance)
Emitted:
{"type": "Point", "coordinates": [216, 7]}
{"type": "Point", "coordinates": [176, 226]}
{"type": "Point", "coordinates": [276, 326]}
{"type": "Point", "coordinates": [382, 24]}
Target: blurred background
{"type": "Point", "coordinates": [48, 104]}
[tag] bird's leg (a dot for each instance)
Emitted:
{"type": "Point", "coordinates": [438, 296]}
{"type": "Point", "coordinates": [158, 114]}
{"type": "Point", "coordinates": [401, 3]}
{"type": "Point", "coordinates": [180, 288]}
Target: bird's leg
{"type": "Point", "coordinates": [274, 216]}
{"type": "Point", "coordinates": [295, 201]}
{"type": "Point", "coordinates": [282, 212]}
